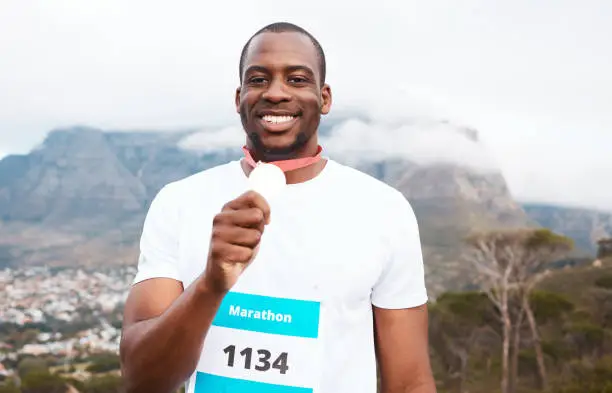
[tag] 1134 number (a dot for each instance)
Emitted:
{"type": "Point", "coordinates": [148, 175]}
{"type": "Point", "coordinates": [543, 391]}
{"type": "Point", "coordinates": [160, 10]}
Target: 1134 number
{"type": "Point", "coordinates": [263, 360]}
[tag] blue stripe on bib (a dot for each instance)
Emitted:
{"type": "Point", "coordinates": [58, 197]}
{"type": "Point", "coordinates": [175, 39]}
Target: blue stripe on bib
{"type": "Point", "coordinates": [264, 314]}
{"type": "Point", "coordinates": [209, 383]}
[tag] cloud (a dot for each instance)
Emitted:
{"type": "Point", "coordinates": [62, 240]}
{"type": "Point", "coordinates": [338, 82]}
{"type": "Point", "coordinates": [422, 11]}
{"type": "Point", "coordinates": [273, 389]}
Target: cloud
{"type": "Point", "coordinates": [421, 140]}
{"type": "Point", "coordinates": [424, 141]}
{"type": "Point", "coordinates": [532, 78]}
{"type": "Point", "coordinates": [210, 140]}
{"type": "Point", "coordinates": [408, 124]}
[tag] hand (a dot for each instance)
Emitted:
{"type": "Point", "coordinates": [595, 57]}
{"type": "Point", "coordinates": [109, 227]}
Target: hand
{"type": "Point", "coordinates": [236, 233]}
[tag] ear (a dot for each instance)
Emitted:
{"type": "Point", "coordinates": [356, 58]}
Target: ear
{"type": "Point", "coordinates": [326, 99]}
{"type": "Point", "coordinates": [237, 100]}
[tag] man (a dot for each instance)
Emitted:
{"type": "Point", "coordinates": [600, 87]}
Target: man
{"type": "Point", "coordinates": [300, 293]}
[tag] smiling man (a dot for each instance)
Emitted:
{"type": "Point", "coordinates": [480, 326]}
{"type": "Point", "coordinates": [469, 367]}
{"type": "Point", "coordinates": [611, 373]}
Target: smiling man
{"type": "Point", "coordinates": [281, 102]}
{"type": "Point", "coordinates": [304, 292]}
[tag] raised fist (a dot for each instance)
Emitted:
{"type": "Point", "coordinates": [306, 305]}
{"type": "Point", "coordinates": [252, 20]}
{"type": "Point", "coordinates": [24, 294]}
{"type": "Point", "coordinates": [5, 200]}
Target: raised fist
{"type": "Point", "coordinates": [236, 233]}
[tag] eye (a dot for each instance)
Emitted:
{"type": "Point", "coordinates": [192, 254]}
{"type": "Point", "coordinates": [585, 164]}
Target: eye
{"type": "Point", "coordinates": [297, 79]}
{"type": "Point", "coordinates": [256, 80]}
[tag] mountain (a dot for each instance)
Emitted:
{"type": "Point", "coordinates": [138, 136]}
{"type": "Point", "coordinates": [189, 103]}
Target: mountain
{"type": "Point", "coordinates": [449, 202]}
{"type": "Point", "coordinates": [81, 196]}
{"type": "Point", "coordinates": [76, 174]}
{"type": "Point", "coordinates": [585, 226]}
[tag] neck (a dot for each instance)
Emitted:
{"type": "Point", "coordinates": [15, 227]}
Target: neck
{"type": "Point", "coordinates": [307, 149]}
{"type": "Point", "coordinates": [298, 175]}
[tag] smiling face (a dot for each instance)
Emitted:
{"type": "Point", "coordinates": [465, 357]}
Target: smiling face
{"type": "Point", "coordinates": [281, 99]}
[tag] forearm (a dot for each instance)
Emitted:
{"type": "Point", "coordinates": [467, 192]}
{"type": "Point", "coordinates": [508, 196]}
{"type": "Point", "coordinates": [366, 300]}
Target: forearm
{"type": "Point", "coordinates": [426, 386]}
{"type": "Point", "coordinates": [159, 354]}
{"type": "Point", "coordinates": [403, 382]}
{"type": "Point", "coordinates": [422, 388]}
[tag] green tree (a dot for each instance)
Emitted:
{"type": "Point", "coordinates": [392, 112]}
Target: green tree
{"type": "Point", "coordinates": [509, 264]}
{"type": "Point", "coordinates": [588, 338]}
{"type": "Point", "coordinates": [552, 311]}
{"type": "Point", "coordinates": [586, 377]}
{"type": "Point", "coordinates": [491, 255]}
{"type": "Point", "coordinates": [31, 364]}
{"type": "Point", "coordinates": [601, 306]}
{"type": "Point", "coordinates": [103, 384]}
{"type": "Point", "coordinates": [549, 306]}
{"type": "Point", "coordinates": [104, 363]}
{"type": "Point", "coordinates": [540, 247]}
{"type": "Point", "coordinates": [9, 387]}
{"type": "Point", "coordinates": [22, 337]}
{"type": "Point", "coordinates": [42, 382]}
{"type": "Point", "coordinates": [458, 323]}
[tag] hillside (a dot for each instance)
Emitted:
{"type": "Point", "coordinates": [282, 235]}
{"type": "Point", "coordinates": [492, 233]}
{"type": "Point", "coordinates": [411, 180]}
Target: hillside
{"type": "Point", "coordinates": [80, 197]}
{"type": "Point", "coordinates": [585, 226]}
{"type": "Point", "coordinates": [573, 312]}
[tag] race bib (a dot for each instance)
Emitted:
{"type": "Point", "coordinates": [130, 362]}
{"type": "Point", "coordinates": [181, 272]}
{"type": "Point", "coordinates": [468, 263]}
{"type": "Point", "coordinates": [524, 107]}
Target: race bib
{"type": "Point", "coordinates": [260, 344]}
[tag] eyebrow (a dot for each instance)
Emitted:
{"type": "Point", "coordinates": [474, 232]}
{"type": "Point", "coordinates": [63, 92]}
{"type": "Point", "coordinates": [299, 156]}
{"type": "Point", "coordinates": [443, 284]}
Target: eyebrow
{"type": "Point", "coordinates": [256, 68]}
{"type": "Point", "coordinates": [301, 68]}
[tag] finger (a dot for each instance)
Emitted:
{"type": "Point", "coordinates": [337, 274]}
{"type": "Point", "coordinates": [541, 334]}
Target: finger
{"type": "Point", "coordinates": [237, 236]}
{"type": "Point", "coordinates": [247, 218]}
{"type": "Point", "coordinates": [250, 199]}
{"type": "Point", "coordinates": [222, 251]}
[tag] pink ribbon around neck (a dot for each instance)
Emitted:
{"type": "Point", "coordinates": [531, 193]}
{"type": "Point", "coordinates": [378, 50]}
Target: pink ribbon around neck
{"type": "Point", "coordinates": [286, 165]}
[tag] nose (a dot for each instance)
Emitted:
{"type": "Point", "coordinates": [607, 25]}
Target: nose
{"type": "Point", "coordinates": [276, 92]}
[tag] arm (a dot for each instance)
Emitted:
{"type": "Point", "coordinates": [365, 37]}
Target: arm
{"type": "Point", "coordinates": [164, 324]}
{"type": "Point", "coordinates": [163, 333]}
{"type": "Point", "coordinates": [159, 344]}
{"type": "Point", "coordinates": [399, 302]}
{"type": "Point", "coordinates": [402, 350]}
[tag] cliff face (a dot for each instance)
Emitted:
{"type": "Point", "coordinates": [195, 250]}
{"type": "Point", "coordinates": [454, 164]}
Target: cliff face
{"type": "Point", "coordinates": [84, 173]}
{"type": "Point", "coordinates": [75, 174]}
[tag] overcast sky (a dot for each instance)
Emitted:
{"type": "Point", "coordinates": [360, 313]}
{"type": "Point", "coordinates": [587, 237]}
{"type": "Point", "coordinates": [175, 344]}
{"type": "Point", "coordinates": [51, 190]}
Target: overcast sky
{"type": "Point", "coordinates": [532, 76]}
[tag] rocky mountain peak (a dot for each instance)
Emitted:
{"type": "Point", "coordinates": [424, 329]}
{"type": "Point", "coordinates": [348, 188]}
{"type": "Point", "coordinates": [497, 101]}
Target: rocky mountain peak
{"type": "Point", "coordinates": [73, 173]}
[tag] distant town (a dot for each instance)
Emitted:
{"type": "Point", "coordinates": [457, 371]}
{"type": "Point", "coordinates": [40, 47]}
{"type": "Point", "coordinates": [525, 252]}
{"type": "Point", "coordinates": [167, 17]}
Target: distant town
{"type": "Point", "coordinates": [61, 313]}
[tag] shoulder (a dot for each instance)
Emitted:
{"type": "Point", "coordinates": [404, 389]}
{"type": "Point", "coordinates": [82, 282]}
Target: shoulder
{"type": "Point", "coordinates": [364, 187]}
{"type": "Point", "coordinates": [388, 212]}
{"type": "Point", "coordinates": [181, 191]}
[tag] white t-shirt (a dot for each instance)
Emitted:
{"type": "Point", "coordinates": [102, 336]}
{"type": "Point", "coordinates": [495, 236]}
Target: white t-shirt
{"type": "Point", "coordinates": [336, 245]}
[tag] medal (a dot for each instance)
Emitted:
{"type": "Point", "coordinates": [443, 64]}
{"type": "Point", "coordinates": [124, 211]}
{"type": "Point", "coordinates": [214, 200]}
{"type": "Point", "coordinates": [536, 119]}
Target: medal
{"type": "Point", "coordinates": [267, 180]}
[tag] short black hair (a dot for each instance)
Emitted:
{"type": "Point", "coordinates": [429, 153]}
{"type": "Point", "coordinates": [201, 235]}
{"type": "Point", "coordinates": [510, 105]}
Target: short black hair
{"type": "Point", "coordinates": [285, 27]}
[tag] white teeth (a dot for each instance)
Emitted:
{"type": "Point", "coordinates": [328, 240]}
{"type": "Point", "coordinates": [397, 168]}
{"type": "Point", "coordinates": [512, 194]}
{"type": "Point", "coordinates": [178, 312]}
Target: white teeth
{"type": "Point", "coordinates": [277, 119]}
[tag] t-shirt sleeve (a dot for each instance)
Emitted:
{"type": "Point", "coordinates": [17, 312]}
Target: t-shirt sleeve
{"type": "Point", "coordinates": [401, 283]}
{"type": "Point", "coordinates": [159, 239]}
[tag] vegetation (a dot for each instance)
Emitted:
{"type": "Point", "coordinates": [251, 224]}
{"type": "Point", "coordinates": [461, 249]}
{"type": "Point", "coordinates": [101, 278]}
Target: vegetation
{"type": "Point", "coordinates": [36, 375]}
{"type": "Point", "coordinates": [529, 327]}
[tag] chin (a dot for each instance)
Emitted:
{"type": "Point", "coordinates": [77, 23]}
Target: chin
{"type": "Point", "coordinates": [278, 147]}
{"type": "Point", "coordinates": [279, 150]}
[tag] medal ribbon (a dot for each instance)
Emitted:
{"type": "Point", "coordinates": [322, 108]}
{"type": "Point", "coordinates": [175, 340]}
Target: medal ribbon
{"type": "Point", "coordinates": [286, 165]}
